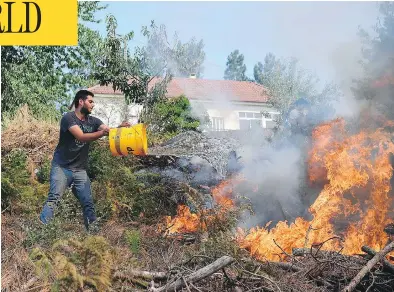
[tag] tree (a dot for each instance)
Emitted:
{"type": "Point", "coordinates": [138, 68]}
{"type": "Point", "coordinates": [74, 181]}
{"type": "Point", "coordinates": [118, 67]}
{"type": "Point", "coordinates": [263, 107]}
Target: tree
{"type": "Point", "coordinates": [45, 77]}
{"type": "Point", "coordinates": [170, 117]}
{"type": "Point", "coordinates": [142, 76]}
{"type": "Point", "coordinates": [190, 58]}
{"type": "Point", "coordinates": [235, 67]}
{"type": "Point", "coordinates": [377, 85]}
{"type": "Point", "coordinates": [133, 74]}
{"type": "Point", "coordinates": [286, 81]}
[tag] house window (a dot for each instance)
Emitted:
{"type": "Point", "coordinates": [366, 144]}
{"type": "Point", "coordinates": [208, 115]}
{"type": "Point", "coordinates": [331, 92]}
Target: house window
{"type": "Point", "coordinates": [217, 124]}
{"type": "Point", "coordinates": [270, 120]}
{"type": "Point", "coordinates": [250, 120]}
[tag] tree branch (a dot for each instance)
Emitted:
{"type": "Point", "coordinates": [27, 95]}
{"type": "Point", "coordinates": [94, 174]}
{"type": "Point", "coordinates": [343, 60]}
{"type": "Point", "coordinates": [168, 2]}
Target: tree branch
{"type": "Point", "coordinates": [371, 263]}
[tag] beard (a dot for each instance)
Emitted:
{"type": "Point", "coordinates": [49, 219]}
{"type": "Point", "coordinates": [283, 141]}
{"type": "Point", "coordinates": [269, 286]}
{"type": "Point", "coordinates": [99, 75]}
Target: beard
{"type": "Point", "coordinates": [85, 111]}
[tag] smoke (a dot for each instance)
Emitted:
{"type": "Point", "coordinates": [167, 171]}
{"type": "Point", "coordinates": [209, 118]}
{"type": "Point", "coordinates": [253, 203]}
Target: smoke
{"type": "Point", "coordinates": [275, 174]}
{"type": "Point", "coordinates": [346, 61]}
{"type": "Point", "coordinates": [276, 170]}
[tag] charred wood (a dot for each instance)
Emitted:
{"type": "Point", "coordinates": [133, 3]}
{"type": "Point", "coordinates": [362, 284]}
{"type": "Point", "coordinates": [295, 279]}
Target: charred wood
{"type": "Point", "coordinates": [197, 275]}
{"type": "Point", "coordinates": [386, 263]}
{"type": "Point", "coordinates": [368, 267]}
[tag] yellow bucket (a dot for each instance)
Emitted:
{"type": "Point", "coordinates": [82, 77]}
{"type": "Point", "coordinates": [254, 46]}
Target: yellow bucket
{"type": "Point", "coordinates": [125, 141]}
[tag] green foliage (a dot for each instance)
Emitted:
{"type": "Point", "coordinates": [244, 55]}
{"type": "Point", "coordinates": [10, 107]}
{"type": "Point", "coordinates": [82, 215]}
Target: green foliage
{"type": "Point", "coordinates": [44, 170]}
{"type": "Point", "coordinates": [15, 177]}
{"type": "Point", "coordinates": [143, 75]}
{"type": "Point", "coordinates": [45, 235]}
{"type": "Point", "coordinates": [133, 239]}
{"type": "Point", "coordinates": [43, 265]}
{"type": "Point", "coordinates": [76, 264]}
{"type": "Point", "coordinates": [127, 195]}
{"type": "Point", "coordinates": [101, 161]}
{"type": "Point", "coordinates": [286, 81]}
{"type": "Point", "coordinates": [121, 191]}
{"type": "Point", "coordinates": [43, 77]}
{"type": "Point", "coordinates": [67, 219]}
{"type": "Point", "coordinates": [169, 118]}
{"type": "Point", "coordinates": [189, 57]}
{"type": "Point", "coordinates": [132, 74]}
{"type": "Point", "coordinates": [235, 67]}
{"type": "Point", "coordinates": [19, 192]}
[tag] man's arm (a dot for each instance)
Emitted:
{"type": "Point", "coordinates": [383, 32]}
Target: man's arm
{"type": "Point", "coordinates": [87, 137]}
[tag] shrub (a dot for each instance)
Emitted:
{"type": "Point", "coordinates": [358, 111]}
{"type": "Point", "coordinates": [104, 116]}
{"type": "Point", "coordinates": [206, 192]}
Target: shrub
{"type": "Point", "coordinates": [133, 239]}
{"type": "Point", "coordinates": [15, 185]}
{"type": "Point", "coordinates": [75, 264]}
{"type": "Point", "coordinates": [171, 117]}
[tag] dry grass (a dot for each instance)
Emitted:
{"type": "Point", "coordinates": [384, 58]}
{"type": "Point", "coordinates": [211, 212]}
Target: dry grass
{"type": "Point", "coordinates": [16, 267]}
{"type": "Point", "coordinates": [38, 138]}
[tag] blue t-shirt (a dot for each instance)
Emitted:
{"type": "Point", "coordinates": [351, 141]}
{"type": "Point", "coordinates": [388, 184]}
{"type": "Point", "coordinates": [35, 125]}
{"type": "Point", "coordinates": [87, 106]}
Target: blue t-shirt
{"type": "Point", "coordinates": [71, 153]}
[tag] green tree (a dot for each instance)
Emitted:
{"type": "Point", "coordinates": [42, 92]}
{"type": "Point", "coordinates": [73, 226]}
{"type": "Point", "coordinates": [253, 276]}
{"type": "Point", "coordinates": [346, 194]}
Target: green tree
{"type": "Point", "coordinates": [236, 68]}
{"type": "Point", "coordinates": [132, 74]}
{"type": "Point", "coordinates": [286, 81]}
{"type": "Point", "coordinates": [170, 117]}
{"type": "Point", "coordinates": [142, 76]}
{"type": "Point", "coordinates": [45, 77]}
{"type": "Point", "coordinates": [189, 58]}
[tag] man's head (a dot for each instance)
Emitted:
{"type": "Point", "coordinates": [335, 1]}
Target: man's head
{"type": "Point", "coordinates": [83, 101]}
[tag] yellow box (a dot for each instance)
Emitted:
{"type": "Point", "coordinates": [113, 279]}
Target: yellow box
{"type": "Point", "coordinates": [39, 22]}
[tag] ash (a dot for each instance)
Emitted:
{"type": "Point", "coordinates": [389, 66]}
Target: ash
{"type": "Point", "coordinates": [200, 149]}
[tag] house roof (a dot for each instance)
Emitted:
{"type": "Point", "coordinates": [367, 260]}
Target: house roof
{"type": "Point", "coordinates": [204, 89]}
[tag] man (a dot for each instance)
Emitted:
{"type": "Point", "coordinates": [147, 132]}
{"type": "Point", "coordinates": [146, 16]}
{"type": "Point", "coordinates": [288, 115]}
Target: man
{"type": "Point", "coordinates": [77, 129]}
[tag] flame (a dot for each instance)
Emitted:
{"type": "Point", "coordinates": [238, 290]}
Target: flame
{"type": "Point", "coordinates": [185, 221]}
{"type": "Point", "coordinates": [222, 194]}
{"type": "Point", "coordinates": [354, 204]}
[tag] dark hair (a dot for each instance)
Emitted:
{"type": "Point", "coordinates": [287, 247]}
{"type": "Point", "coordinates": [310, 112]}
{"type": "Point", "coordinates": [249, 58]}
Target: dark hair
{"type": "Point", "coordinates": [82, 94]}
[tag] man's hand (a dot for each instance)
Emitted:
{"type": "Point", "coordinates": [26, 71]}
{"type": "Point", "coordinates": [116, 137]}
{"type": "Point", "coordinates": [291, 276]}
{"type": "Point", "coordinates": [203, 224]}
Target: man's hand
{"type": "Point", "coordinates": [124, 124]}
{"type": "Point", "coordinates": [105, 131]}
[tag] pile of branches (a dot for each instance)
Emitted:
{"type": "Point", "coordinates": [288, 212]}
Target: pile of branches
{"type": "Point", "coordinates": [191, 143]}
{"type": "Point", "coordinates": [305, 270]}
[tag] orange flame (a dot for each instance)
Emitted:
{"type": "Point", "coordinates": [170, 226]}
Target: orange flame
{"type": "Point", "coordinates": [185, 221]}
{"type": "Point", "coordinates": [356, 174]}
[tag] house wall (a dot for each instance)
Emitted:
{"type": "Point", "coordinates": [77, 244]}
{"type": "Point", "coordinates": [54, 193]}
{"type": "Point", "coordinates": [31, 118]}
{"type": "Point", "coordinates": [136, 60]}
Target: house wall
{"type": "Point", "coordinates": [229, 113]}
{"type": "Point", "coordinates": [112, 110]}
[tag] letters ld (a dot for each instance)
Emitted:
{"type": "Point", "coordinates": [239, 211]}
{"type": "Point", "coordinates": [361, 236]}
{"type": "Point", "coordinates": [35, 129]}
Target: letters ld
{"type": "Point", "coordinates": [9, 7]}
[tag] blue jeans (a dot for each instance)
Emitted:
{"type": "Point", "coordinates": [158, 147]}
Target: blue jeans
{"type": "Point", "coordinates": [62, 178]}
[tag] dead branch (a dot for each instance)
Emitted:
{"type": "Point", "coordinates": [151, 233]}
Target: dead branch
{"type": "Point", "coordinates": [386, 263]}
{"type": "Point", "coordinates": [197, 275]}
{"type": "Point", "coordinates": [285, 266]}
{"type": "Point", "coordinates": [299, 251]}
{"type": "Point", "coordinates": [371, 263]}
{"type": "Point", "coordinates": [141, 274]}
{"type": "Point", "coordinates": [267, 277]}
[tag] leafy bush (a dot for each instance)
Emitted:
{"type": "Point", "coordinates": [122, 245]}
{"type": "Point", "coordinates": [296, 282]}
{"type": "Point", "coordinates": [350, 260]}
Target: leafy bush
{"type": "Point", "coordinates": [170, 117]}
{"type": "Point", "coordinates": [127, 195]}
{"type": "Point", "coordinates": [44, 171]}
{"type": "Point", "coordinates": [15, 177]}
{"type": "Point", "coordinates": [133, 239]}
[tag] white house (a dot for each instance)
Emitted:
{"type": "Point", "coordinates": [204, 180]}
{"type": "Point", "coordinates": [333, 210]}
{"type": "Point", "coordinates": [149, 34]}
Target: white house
{"type": "Point", "coordinates": [231, 105]}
